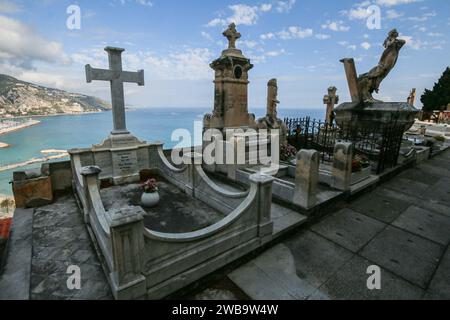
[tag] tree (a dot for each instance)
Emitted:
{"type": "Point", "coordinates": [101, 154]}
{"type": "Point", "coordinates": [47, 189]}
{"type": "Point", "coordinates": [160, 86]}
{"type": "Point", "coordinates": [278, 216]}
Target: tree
{"type": "Point", "coordinates": [439, 97]}
{"type": "Point", "coordinates": [7, 204]}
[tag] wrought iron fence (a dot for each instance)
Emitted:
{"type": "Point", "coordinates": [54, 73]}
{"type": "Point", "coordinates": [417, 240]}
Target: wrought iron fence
{"type": "Point", "coordinates": [379, 143]}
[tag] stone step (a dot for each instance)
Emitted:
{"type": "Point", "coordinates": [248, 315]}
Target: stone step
{"type": "Point", "coordinates": [272, 276]}
{"type": "Point", "coordinates": [284, 220]}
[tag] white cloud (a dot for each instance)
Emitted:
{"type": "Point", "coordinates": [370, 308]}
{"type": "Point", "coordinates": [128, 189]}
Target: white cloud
{"type": "Point", "coordinates": [322, 36]}
{"type": "Point", "coordinates": [292, 32]}
{"type": "Point", "coordinates": [265, 7]}
{"type": "Point", "coordinates": [335, 26]}
{"type": "Point", "coordinates": [267, 36]}
{"type": "Point", "coordinates": [22, 45]}
{"type": "Point", "coordinates": [147, 3]}
{"type": "Point", "coordinates": [424, 17]}
{"type": "Point", "coordinates": [9, 7]}
{"type": "Point", "coordinates": [243, 14]}
{"type": "Point", "coordinates": [391, 3]}
{"type": "Point", "coordinates": [285, 6]}
{"type": "Point", "coordinates": [366, 45]}
{"type": "Point", "coordinates": [415, 44]}
{"type": "Point", "coordinates": [359, 13]}
{"type": "Point", "coordinates": [392, 14]}
{"type": "Point", "coordinates": [185, 64]}
{"type": "Point", "coordinates": [435, 34]}
{"type": "Point", "coordinates": [207, 36]}
{"type": "Point", "coordinates": [352, 47]}
{"type": "Point", "coordinates": [216, 22]}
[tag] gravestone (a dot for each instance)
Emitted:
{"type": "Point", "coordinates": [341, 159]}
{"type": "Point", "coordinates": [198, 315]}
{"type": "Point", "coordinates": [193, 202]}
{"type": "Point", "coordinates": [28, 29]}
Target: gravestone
{"type": "Point", "coordinates": [231, 87]}
{"type": "Point", "coordinates": [331, 99]}
{"type": "Point", "coordinates": [118, 155]}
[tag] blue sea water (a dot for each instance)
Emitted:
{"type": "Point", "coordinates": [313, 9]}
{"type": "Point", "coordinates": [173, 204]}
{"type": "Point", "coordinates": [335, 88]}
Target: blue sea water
{"type": "Point", "coordinates": [77, 131]}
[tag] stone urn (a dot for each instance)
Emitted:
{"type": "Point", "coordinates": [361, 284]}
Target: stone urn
{"type": "Point", "coordinates": [150, 199]}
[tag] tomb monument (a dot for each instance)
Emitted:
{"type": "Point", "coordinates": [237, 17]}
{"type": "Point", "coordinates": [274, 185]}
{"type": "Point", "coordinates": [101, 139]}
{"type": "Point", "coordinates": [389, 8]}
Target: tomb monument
{"type": "Point", "coordinates": [365, 110]}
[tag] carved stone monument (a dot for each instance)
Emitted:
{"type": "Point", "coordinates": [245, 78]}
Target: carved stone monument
{"type": "Point", "coordinates": [120, 153]}
{"type": "Point", "coordinates": [331, 99]}
{"type": "Point", "coordinates": [231, 82]}
{"type": "Point", "coordinates": [364, 110]}
{"type": "Point", "coordinates": [412, 97]}
{"type": "Point", "coordinates": [271, 120]}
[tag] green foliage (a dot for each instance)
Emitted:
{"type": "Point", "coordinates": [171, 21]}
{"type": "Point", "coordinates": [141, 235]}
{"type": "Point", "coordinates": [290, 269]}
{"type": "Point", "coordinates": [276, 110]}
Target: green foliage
{"type": "Point", "coordinates": [439, 97]}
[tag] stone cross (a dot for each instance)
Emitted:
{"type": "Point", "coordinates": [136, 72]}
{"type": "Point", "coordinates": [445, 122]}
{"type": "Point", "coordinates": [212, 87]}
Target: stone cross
{"type": "Point", "coordinates": [232, 35]}
{"type": "Point", "coordinates": [116, 76]}
{"type": "Point", "coordinates": [412, 97]}
{"type": "Point", "coordinates": [331, 99]}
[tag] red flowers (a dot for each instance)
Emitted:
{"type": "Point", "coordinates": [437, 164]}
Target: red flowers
{"type": "Point", "coordinates": [150, 186]}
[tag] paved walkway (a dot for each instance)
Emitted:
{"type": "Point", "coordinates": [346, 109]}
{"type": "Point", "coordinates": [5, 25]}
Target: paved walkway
{"type": "Point", "coordinates": [403, 227]}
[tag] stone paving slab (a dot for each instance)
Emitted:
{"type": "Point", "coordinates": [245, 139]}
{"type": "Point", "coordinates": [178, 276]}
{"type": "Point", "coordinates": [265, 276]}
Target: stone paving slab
{"type": "Point", "coordinates": [439, 192]}
{"type": "Point", "coordinates": [316, 258]}
{"type": "Point", "coordinates": [350, 283]}
{"type": "Point", "coordinates": [424, 223]}
{"type": "Point", "coordinates": [380, 207]}
{"type": "Point", "coordinates": [407, 186]}
{"type": "Point", "coordinates": [405, 254]}
{"type": "Point", "coordinates": [60, 240]}
{"type": "Point", "coordinates": [420, 175]}
{"type": "Point", "coordinates": [418, 201]}
{"type": "Point", "coordinates": [349, 229]}
{"type": "Point", "coordinates": [440, 286]}
{"type": "Point", "coordinates": [272, 276]}
{"type": "Point", "coordinates": [15, 279]}
{"type": "Point", "coordinates": [285, 219]}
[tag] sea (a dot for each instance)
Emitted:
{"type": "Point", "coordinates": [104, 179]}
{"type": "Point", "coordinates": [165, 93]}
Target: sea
{"type": "Point", "coordinates": [65, 132]}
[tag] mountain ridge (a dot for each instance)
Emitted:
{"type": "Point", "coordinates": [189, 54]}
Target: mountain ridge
{"type": "Point", "coordinates": [21, 98]}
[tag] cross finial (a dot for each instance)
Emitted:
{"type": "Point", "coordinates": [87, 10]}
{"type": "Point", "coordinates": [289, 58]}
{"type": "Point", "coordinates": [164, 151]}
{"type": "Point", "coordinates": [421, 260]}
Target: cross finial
{"type": "Point", "coordinates": [232, 35]}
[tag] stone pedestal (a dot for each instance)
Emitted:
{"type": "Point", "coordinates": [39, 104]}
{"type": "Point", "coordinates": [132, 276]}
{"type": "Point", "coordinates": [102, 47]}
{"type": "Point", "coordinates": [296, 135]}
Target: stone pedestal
{"type": "Point", "coordinates": [121, 152]}
{"type": "Point", "coordinates": [370, 114]}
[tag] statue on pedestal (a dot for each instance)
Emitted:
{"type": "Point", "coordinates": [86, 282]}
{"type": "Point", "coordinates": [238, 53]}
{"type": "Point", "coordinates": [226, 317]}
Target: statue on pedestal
{"type": "Point", "coordinates": [370, 82]}
{"type": "Point", "coordinates": [271, 121]}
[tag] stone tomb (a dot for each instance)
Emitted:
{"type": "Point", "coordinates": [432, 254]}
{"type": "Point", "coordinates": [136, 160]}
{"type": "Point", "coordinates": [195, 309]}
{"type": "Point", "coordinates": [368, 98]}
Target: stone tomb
{"type": "Point", "coordinates": [145, 254]}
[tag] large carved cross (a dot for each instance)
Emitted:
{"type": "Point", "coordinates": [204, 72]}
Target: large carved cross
{"type": "Point", "coordinates": [331, 99]}
{"type": "Point", "coordinates": [116, 76]}
{"type": "Point", "coordinates": [232, 35]}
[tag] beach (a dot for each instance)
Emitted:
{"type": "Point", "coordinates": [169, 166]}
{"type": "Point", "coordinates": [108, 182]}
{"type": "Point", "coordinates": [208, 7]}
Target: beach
{"type": "Point", "coordinates": [12, 126]}
{"type": "Point", "coordinates": [58, 154]}
{"type": "Point", "coordinates": [8, 126]}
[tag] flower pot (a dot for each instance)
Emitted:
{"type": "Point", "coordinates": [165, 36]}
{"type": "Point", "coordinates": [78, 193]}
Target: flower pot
{"type": "Point", "coordinates": [150, 199]}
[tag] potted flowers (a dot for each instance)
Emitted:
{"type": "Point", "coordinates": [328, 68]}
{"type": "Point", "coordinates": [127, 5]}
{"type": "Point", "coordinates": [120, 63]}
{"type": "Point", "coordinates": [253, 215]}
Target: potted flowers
{"type": "Point", "coordinates": [361, 168]}
{"type": "Point", "coordinates": [150, 197]}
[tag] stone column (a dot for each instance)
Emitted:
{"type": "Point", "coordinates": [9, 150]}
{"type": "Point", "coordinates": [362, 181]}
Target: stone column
{"type": "Point", "coordinates": [342, 166]}
{"type": "Point", "coordinates": [127, 245]}
{"type": "Point", "coordinates": [264, 185]}
{"type": "Point", "coordinates": [90, 178]}
{"type": "Point", "coordinates": [306, 178]}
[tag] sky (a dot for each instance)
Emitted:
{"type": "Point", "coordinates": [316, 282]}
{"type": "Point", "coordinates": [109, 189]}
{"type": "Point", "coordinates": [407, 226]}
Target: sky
{"type": "Point", "coordinates": [299, 42]}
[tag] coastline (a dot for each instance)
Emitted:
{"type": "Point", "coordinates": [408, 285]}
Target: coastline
{"type": "Point", "coordinates": [59, 154]}
{"type": "Point", "coordinates": [18, 127]}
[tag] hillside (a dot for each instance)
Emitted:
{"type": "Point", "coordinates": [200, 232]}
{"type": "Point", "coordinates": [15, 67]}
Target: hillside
{"type": "Point", "coordinates": [19, 98]}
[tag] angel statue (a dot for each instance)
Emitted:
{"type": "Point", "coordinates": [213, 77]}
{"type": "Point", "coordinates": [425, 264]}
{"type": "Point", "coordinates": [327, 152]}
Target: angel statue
{"type": "Point", "coordinates": [370, 82]}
